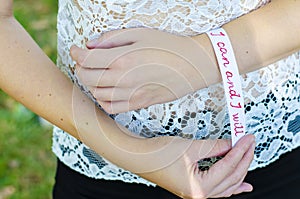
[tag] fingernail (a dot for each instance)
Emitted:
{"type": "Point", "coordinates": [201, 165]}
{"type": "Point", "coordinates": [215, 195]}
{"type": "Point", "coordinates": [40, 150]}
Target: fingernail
{"type": "Point", "coordinates": [249, 189]}
{"type": "Point", "coordinates": [253, 146]}
{"type": "Point", "coordinates": [252, 137]}
{"type": "Point", "coordinates": [72, 50]}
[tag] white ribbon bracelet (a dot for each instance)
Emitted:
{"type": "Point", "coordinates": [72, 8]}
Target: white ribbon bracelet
{"type": "Point", "coordinates": [231, 81]}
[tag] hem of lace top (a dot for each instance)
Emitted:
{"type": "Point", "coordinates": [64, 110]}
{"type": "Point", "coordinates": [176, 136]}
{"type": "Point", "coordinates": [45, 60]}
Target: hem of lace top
{"type": "Point", "coordinates": [139, 180]}
{"type": "Point", "coordinates": [143, 181]}
{"type": "Point", "coordinates": [275, 159]}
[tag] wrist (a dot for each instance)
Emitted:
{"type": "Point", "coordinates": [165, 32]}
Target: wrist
{"type": "Point", "coordinates": [206, 61]}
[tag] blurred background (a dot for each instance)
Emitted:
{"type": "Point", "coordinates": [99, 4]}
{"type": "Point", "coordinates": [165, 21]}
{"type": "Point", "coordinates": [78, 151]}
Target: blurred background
{"type": "Point", "coordinates": [27, 165]}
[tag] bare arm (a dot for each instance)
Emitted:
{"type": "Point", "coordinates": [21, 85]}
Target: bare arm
{"type": "Point", "coordinates": [30, 77]}
{"type": "Point", "coordinates": [263, 36]}
{"type": "Point", "coordinates": [150, 67]}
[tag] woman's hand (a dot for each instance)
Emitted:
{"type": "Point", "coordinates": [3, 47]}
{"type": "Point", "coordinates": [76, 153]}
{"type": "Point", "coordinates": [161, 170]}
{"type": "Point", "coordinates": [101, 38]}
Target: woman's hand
{"type": "Point", "coordinates": [170, 162]}
{"type": "Point", "coordinates": [145, 67]}
{"type": "Point", "coordinates": [6, 8]}
{"type": "Point", "coordinates": [223, 179]}
{"type": "Point", "coordinates": [135, 68]}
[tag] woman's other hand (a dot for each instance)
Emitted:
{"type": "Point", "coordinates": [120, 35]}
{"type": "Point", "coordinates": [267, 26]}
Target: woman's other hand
{"type": "Point", "coordinates": [172, 162]}
{"type": "Point", "coordinates": [223, 179]}
{"type": "Point", "coordinates": [135, 68]}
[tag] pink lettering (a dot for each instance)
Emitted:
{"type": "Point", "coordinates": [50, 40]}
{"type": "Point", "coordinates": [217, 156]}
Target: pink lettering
{"type": "Point", "coordinates": [218, 34]}
{"type": "Point", "coordinates": [221, 44]}
{"type": "Point", "coordinates": [229, 75]}
{"type": "Point", "coordinates": [232, 91]}
{"type": "Point", "coordinates": [236, 106]}
{"type": "Point", "coordinates": [226, 63]}
{"type": "Point", "coordinates": [238, 127]}
{"type": "Point", "coordinates": [234, 94]}
{"type": "Point", "coordinates": [231, 82]}
{"type": "Point", "coordinates": [223, 51]}
{"type": "Point", "coordinates": [235, 117]}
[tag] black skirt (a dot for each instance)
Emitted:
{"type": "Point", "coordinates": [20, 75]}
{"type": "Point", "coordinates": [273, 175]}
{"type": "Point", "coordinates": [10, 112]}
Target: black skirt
{"type": "Point", "coordinates": [279, 180]}
{"type": "Point", "coordinates": [276, 181]}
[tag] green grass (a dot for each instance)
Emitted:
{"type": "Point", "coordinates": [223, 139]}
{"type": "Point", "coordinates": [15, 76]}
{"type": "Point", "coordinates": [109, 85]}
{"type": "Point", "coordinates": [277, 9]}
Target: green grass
{"type": "Point", "coordinates": [27, 165]}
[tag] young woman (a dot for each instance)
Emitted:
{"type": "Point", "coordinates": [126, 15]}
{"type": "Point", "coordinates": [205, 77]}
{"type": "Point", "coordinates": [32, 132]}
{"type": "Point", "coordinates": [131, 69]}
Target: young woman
{"type": "Point", "coordinates": [133, 68]}
{"type": "Point", "coordinates": [31, 78]}
{"type": "Point", "coordinates": [80, 21]}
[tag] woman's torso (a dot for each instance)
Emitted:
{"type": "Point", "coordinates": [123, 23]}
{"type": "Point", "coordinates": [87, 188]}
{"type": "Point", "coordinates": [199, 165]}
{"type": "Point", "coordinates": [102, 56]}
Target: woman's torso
{"type": "Point", "coordinates": [272, 94]}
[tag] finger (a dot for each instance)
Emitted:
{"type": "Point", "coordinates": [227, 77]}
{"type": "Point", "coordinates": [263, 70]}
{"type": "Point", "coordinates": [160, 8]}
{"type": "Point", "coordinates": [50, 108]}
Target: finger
{"type": "Point", "coordinates": [91, 58]}
{"type": "Point", "coordinates": [115, 107]}
{"type": "Point", "coordinates": [244, 187]}
{"type": "Point", "coordinates": [239, 173]}
{"type": "Point", "coordinates": [229, 163]}
{"type": "Point", "coordinates": [115, 38]}
{"type": "Point", "coordinates": [101, 58]}
{"type": "Point", "coordinates": [111, 94]}
{"type": "Point", "coordinates": [98, 77]}
{"type": "Point", "coordinates": [241, 188]}
{"type": "Point", "coordinates": [228, 191]}
{"type": "Point", "coordinates": [120, 106]}
{"type": "Point", "coordinates": [209, 148]}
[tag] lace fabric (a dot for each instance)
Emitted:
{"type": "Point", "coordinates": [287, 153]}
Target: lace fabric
{"type": "Point", "coordinates": [272, 94]}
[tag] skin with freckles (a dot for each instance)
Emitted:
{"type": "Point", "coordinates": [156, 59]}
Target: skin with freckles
{"type": "Point", "coordinates": [29, 76]}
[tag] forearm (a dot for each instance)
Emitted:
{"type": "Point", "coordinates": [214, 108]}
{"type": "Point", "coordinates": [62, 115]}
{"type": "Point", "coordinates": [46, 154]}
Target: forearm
{"type": "Point", "coordinates": [28, 76]}
{"type": "Point", "coordinates": [260, 37]}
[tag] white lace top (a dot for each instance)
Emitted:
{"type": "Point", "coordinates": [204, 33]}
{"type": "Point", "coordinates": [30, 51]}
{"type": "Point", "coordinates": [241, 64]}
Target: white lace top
{"type": "Point", "coordinates": [272, 94]}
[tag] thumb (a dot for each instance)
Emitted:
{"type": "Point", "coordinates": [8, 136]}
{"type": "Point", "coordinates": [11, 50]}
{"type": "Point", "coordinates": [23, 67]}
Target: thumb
{"type": "Point", "coordinates": [6, 8]}
{"type": "Point", "coordinates": [115, 38]}
{"type": "Point", "coordinates": [210, 148]}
